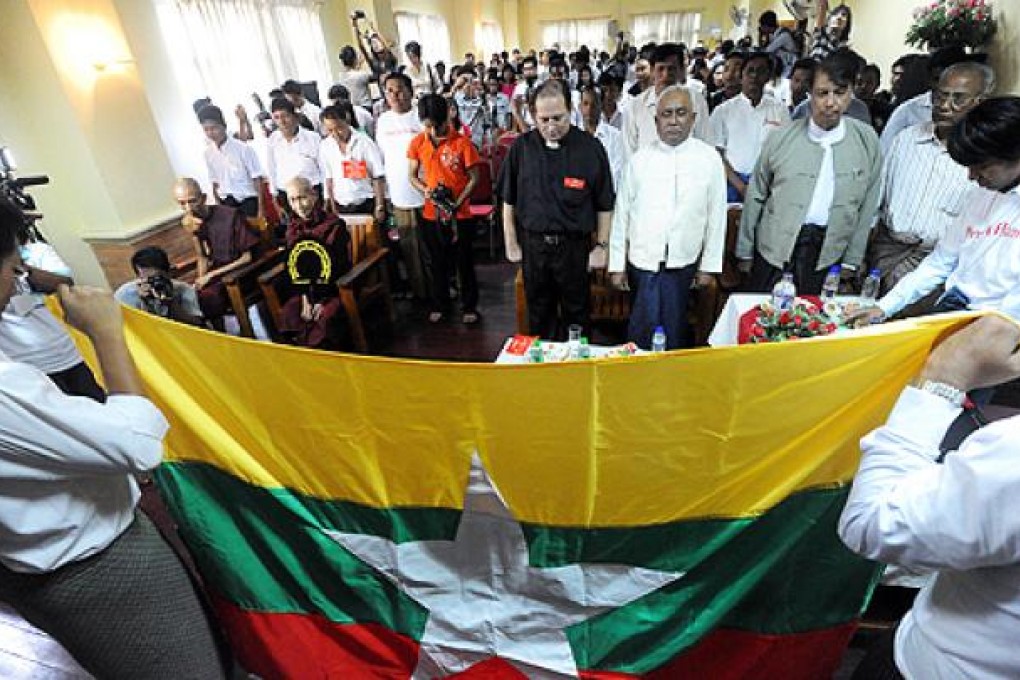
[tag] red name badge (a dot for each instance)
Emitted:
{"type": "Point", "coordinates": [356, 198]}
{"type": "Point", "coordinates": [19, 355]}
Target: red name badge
{"type": "Point", "coordinates": [573, 182]}
{"type": "Point", "coordinates": [355, 170]}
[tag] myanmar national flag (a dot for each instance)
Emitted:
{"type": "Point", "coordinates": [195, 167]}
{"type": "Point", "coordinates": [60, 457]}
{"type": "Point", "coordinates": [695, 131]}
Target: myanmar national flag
{"type": "Point", "coordinates": [667, 516]}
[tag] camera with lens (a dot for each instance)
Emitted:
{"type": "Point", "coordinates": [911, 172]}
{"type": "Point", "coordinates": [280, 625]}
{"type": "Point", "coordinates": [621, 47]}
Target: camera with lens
{"type": "Point", "coordinates": [13, 188]}
{"type": "Point", "coordinates": [444, 199]}
{"type": "Point", "coordinates": [160, 288]}
{"type": "Point", "coordinates": [357, 14]}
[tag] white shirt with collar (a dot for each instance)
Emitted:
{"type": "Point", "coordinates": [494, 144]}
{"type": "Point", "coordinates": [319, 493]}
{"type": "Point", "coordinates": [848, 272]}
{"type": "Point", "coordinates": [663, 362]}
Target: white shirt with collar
{"type": "Point", "coordinates": [66, 466]}
{"type": "Point", "coordinates": [671, 208]}
{"type": "Point", "coordinates": [233, 167]}
{"type": "Point", "coordinates": [351, 172]}
{"type": "Point", "coordinates": [639, 120]}
{"type": "Point", "coordinates": [923, 187]}
{"type": "Point", "coordinates": [979, 255]}
{"type": "Point", "coordinates": [825, 187]}
{"type": "Point", "coordinates": [739, 128]}
{"type": "Point", "coordinates": [616, 150]}
{"type": "Point", "coordinates": [29, 333]}
{"type": "Point", "coordinates": [960, 517]}
{"type": "Point", "coordinates": [311, 111]}
{"type": "Point", "coordinates": [910, 112]}
{"type": "Point", "coordinates": [296, 157]}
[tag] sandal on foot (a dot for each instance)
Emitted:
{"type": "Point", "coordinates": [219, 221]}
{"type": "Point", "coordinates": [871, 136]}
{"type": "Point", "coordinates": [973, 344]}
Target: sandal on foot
{"type": "Point", "coordinates": [435, 317]}
{"type": "Point", "coordinates": [470, 318]}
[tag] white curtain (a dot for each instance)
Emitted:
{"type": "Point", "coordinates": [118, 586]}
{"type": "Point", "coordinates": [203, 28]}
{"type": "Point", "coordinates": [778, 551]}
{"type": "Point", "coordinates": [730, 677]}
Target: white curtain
{"type": "Point", "coordinates": [428, 30]}
{"type": "Point", "coordinates": [489, 38]}
{"type": "Point", "coordinates": [667, 27]}
{"type": "Point", "coordinates": [228, 49]}
{"type": "Point", "coordinates": [573, 33]}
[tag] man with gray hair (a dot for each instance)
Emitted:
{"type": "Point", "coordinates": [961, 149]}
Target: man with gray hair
{"type": "Point", "coordinates": [923, 186]}
{"type": "Point", "coordinates": [670, 222]}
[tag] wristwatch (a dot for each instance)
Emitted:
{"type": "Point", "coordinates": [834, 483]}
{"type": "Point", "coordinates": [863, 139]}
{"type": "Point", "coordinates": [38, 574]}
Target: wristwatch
{"type": "Point", "coordinates": [953, 395]}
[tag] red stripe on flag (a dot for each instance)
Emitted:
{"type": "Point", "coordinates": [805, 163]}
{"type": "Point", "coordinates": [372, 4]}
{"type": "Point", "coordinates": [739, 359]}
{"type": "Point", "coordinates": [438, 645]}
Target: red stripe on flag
{"type": "Point", "coordinates": [308, 646]}
{"type": "Point", "coordinates": [288, 646]}
{"type": "Point", "coordinates": [727, 654]}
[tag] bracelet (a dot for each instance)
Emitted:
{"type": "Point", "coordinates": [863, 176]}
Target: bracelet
{"type": "Point", "coordinates": [954, 395]}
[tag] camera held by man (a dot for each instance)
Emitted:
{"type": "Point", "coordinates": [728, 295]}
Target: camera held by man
{"type": "Point", "coordinates": [155, 292]}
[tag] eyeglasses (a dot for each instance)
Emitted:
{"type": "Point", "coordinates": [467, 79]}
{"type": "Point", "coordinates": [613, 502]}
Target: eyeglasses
{"type": "Point", "coordinates": [956, 100]}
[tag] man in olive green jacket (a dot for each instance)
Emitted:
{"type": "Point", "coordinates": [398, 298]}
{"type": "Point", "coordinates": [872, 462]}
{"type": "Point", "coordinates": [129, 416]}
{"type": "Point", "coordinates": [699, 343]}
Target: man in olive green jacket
{"type": "Point", "coordinates": [814, 191]}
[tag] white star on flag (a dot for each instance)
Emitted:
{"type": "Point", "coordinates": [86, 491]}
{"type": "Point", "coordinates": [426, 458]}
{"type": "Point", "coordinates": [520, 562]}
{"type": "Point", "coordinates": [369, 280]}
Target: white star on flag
{"type": "Point", "coordinates": [485, 600]}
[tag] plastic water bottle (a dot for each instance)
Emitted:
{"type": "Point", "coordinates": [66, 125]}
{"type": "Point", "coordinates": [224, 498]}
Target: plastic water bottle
{"type": "Point", "coordinates": [585, 350]}
{"type": "Point", "coordinates": [830, 287]}
{"type": "Point", "coordinates": [869, 289]}
{"type": "Point", "coordinates": [784, 292]}
{"type": "Point", "coordinates": [659, 340]}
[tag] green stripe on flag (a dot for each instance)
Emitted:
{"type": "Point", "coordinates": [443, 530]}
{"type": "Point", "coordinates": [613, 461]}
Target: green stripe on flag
{"type": "Point", "coordinates": [266, 550]}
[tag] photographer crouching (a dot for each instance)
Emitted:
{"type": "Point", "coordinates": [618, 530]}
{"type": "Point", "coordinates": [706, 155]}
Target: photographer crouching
{"type": "Point", "coordinates": [155, 292]}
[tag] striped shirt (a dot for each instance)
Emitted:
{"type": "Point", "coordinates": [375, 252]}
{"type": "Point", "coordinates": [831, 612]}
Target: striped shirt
{"type": "Point", "coordinates": [923, 187]}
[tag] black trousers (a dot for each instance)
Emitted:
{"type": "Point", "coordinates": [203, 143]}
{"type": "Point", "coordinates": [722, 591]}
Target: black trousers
{"type": "Point", "coordinates": [449, 248]}
{"type": "Point", "coordinates": [556, 282]}
{"type": "Point", "coordinates": [879, 662]}
{"type": "Point", "coordinates": [249, 206]}
{"type": "Point", "coordinates": [803, 264]}
{"type": "Point", "coordinates": [366, 207]}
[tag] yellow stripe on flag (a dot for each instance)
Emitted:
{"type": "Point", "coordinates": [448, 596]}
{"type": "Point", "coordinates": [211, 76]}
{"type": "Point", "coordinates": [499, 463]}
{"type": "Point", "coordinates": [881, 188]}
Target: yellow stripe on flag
{"type": "Point", "coordinates": [722, 433]}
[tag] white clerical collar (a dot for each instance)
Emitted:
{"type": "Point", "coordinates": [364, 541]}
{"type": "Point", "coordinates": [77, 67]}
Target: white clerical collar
{"type": "Point", "coordinates": [818, 135]}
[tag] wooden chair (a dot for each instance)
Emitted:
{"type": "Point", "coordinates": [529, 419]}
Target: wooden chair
{"type": "Point", "coordinates": [243, 288]}
{"type": "Point", "coordinates": [364, 286]}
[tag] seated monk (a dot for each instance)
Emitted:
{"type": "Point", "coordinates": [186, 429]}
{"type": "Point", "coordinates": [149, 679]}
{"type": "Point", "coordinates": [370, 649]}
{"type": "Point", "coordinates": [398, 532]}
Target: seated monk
{"type": "Point", "coordinates": [317, 255]}
{"type": "Point", "coordinates": [223, 242]}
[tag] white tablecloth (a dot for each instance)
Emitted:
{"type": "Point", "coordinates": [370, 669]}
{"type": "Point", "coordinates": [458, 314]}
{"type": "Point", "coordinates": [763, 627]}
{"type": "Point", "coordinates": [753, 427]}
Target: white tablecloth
{"type": "Point", "coordinates": [728, 325]}
{"type": "Point", "coordinates": [506, 357]}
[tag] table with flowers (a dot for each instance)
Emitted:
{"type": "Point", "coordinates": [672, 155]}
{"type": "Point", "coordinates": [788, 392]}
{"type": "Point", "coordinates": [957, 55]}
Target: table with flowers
{"type": "Point", "coordinates": [749, 318]}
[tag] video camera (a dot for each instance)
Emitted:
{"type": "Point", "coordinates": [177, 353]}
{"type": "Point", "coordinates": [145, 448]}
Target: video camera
{"type": "Point", "coordinates": [444, 200]}
{"type": "Point", "coordinates": [13, 188]}
{"type": "Point", "coordinates": [161, 287]}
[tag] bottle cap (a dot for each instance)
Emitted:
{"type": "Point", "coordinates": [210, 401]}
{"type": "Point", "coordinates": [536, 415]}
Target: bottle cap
{"type": "Point", "coordinates": [835, 269]}
{"type": "Point", "coordinates": [659, 329]}
{"type": "Point", "coordinates": [875, 272]}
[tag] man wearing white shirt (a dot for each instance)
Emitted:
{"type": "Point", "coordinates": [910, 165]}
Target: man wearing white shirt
{"type": "Point", "coordinates": [292, 151]}
{"type": "Point", "coordinates": [306, 111]}
{"type": "Point", "coordinates": [355, 79]}
{"type": "Point", "coordinates": [639, 124]}
{"type": "Point", "coordinates": [366, 123]}
{"type": "Point", "coordinates": [959, 516]}
{"type": "Point", "coordinates": [394, 131]}
{"type": "Point", "coordinates": [741, 124]}
{"type": "Point", "coordinates": [919, 108]}
{"type": "Point", "coordinates": [611, 138]}
{"type": "Point", "coordinates": [978, 259]}
{"type": "Point", "coordinates": [352, 165]}
{"type": "Point", "coordinates": [77, 559]}
{"type": "Point", "coordinates": [924, 187]}
{"type": "Point", "coordinates": [522, 94]}
{"type": "Point", "coordinates": [670, 223]}
{"type": "Point", "coordinates": [234, 169]}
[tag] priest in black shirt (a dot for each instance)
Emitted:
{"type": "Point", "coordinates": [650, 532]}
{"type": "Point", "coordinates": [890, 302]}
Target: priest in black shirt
{"type": "Point", "coordinates": [557, 189]}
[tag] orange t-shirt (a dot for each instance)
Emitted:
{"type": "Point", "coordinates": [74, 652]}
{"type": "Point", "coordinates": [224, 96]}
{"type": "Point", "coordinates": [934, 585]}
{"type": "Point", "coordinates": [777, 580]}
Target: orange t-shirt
{"type": "Point", "coordinates": [446, 163]}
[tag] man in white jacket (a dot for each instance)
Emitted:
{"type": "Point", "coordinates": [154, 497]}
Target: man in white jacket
{"type": "Point", "coordinates": [670, 222]}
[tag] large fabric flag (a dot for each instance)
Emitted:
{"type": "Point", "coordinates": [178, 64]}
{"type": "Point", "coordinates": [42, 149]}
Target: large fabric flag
{"type": "Point", "coordinates": [667, 516]}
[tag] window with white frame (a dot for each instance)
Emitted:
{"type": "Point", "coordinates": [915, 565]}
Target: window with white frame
{"type": "Point", "coordinates": [489, 38]}
{"type": "Point", "coordinates": [666, 27]}
{"type": "Point", "coordinates": [572, 33]}
{"type": "Point", "coordinates": [227, 49]}
{"type": "Point", "coordinates": [428, 30]}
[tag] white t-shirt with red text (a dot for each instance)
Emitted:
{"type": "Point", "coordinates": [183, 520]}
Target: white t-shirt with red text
{"type": "Point", "coordinates": [979, 255]}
